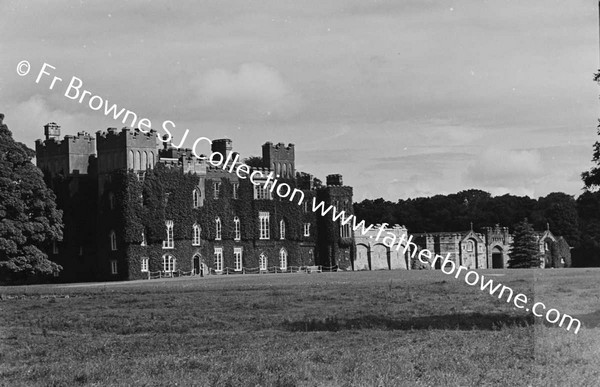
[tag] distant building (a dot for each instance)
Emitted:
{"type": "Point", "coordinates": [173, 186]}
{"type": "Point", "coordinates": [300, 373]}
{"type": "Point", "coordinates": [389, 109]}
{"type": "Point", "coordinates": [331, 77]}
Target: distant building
{"type": "Point", "coordinates": [131, 208]}
{"type": "Point", "coordinates": [375, 255]}
{"type": "Point", "coordinates": [487, 250]}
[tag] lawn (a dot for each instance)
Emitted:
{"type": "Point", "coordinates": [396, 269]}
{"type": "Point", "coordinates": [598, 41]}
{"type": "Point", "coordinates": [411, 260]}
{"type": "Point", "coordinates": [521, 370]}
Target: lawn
{"type": "Point", "coordinates": [413, 328]}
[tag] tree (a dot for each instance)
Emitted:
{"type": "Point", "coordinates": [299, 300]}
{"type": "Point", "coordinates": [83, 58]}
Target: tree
{"type": "Point", "coordinates": [591, 178]}
{"type": "Point", "coordinates": [29, 220]}
{"type": "Point", "coordinates": [254, 161]}
{"type": "Point", "coordinates": [560, 213]}
{"type": "Point", "coordinates": [524, 251]}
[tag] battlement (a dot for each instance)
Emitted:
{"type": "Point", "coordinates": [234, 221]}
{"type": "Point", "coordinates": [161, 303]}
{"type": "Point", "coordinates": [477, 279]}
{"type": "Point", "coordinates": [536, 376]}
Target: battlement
{"type": "Point", "coordinates": [280, 158]}
{"type": "Point", "coordinates": [224, 146]}
{"type": "Point", "coordinates": [126, 137]}
{"type": "Point", "coordinates": [335, 180]}
{"type": "Point", "coordinates": [69, 156]}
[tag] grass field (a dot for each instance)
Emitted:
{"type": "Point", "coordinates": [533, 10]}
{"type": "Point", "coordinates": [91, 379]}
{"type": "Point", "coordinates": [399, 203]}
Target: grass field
{"type": "Point", "coordinates": [382, 328]}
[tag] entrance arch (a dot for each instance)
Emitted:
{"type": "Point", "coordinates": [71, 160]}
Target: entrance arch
{"type": "Point", "coordinates": [198, 265]}
{"type": "Point", "coordinates": [497, 258]}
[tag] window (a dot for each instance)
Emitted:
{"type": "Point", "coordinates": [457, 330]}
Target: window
{"type": "Point", "coordinates": [54, 248]}
{"type": "Point", "coordinates": [218, 229]}
{"type": "Point", "coordinates": [237, 234]}
{"type": "Point", "coordinates": [111, 201]}
{"type": "Point", "coordinates": [262, 261]}
{"type": "Point", "coordinates": [236, 187]}
{"type": "Point", "coordinates": [168, 263]}
{"type": "Point", "coordinates": [261, 193]}
{"type": "Point", "coordinates": [113, 241]}
{"type": "Point", "coordinates": [144, 243]}
{"type": "Point", "coordinates": [470, 246]}
{"type": "Point", "coordinates": [282, 229]}
{"type": "Point", "coordinates": [237, 257]}
{"type": "Point", "coordinates": [345, 231]}
{"type": "Point", "coordinates": [196, 235]}
{"type": "Point", "coordinates": [283, 259]}
{"type": "Point", "coordinates": [264, 225]}
{"type": "Point", "coordinates": [219, 259]}
{"type": "Point", "coordinates": [196, 198]}
{"type": "Point", "coordinates": [546, 246]}
{"type": "Point", "coordinates": [113, 267]}
{"type": "Point", "coordinates": [306, 229]}
{"type": "Point", "coordinates": [169, 243]}
{"type": "Point", "coordinates": [80, 251]}
{"type": "Point", "coordinates": [305, 207]}
{"type": "Point", "coordinates": [144, 265]}
{"type": "Point", "coordinates": [216, 189]}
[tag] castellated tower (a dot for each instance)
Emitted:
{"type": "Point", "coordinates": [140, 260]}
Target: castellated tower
{"type": "Point", "coordinates": [280, 159]}
{"type": "Point", "coordinates": [336, 241]}
{"type": "Point", "coordinates": [73, 155]}
{"type": "Point", "coordinates": [223, 146]}
{"type": "Point", "coordinates": [129, 149]}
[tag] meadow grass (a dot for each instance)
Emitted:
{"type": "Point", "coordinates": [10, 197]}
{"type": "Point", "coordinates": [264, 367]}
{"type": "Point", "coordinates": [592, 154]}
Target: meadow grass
{"type": "Point", "coordinates": [386, 328]}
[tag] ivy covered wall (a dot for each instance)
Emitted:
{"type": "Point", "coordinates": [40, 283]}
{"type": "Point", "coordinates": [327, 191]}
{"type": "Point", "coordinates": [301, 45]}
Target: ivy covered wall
{"type": "Point", "coordinates": [142, 206]}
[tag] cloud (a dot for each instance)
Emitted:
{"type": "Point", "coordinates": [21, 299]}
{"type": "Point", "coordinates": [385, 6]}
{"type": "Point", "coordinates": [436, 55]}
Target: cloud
{"type": "Point", "coordinates": [26, 120]}
{"type": "Point", "coordinates": [507, 170]}
{"type": "Point", "coordinates": [253, 90]}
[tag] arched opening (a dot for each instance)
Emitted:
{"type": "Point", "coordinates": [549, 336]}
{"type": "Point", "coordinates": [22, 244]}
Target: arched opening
{"type": "Point", "coordinates": [362, 257]}
{"type": "Point", "coordinates": [199, 267]}
{"type": "Point", "coordinates": [283, 259]}
{"type": "Point", "coordinates": [262, 262]}
{"type": "Point", "coordinates": [497, 258]}
{"type": "Point", "coordinates": [380, 257]}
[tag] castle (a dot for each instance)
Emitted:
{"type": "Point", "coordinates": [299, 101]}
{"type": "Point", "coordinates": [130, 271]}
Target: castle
{"type": "Point", "coordinates": [131, 208]}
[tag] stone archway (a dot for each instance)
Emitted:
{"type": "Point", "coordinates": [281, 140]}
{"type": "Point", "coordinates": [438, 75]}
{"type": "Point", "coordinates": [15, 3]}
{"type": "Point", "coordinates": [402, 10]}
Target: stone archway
{"type": "Point", "coordinates": [497, 258]}
{"type": "Point", "coordinates": [361, 261]}
{"type": "Point", "coordinates": [380, 257]}
{"type": "Point", "coordinates": [199, 267]}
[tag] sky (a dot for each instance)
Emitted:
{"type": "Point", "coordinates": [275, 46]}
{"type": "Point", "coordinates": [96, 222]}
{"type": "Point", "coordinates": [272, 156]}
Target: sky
{"type": "Point", "coordinates": [403, 98]}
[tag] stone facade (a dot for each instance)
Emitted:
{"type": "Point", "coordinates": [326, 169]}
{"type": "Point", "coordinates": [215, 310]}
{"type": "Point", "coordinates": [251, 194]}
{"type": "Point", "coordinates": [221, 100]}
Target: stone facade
{"type": "Point", "coordinates": [85, 173]}
{"type": "Point", "coordinates": [371, 255]}
{"type": "Point", "coordinates": [487, 250]}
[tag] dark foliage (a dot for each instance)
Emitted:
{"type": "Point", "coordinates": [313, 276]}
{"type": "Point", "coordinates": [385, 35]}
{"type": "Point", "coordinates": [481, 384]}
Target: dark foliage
{"type": "Point", "coordinates": [29, 219]}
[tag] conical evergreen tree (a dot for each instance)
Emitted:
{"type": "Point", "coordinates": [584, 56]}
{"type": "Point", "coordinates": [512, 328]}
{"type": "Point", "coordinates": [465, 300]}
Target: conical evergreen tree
{"type": "Point", "coordinates": [524, 250]}
{"type": "Point", "coordinates": [29, 219]}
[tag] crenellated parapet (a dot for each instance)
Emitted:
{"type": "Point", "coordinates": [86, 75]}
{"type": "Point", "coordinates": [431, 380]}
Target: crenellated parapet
{"type": "Point", "coordinates": [68, 156]}
{"type": "Point", "coordinates": [280, 158]}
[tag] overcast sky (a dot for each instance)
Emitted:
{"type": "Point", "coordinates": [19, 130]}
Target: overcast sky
{"type": "Point", "coordinates": [403, 98]}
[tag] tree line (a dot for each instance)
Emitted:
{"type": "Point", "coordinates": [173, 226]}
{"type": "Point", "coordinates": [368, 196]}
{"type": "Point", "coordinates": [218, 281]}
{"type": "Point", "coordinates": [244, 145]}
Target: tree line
{"type": "Point", "coordinates": [575, 219]}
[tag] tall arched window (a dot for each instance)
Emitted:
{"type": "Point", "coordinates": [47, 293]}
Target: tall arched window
{"type": "Point", "coordinates": [168, 263]}
{"type": "Point", "coordinates": [284, 170]}
{"type": "Point", "coordinates": [218, 229]}
{"type": "Point", "coordinates": [169, 243]}
{"type": "Point", "coordinates": [262, 261]}
{"type": "Point", "coordinates": [282, 229]}
{"type": "Point", "coordinates": [196, 235]}
{"type": "Point", "coordinates": [237, 232]}
{"type": "Point", "coordinates": [283, 259]}
{"type": "Point", "coordinates": [345, 231]}
{"type": "Point", "coordinates": [151, 160]}
{"type": "Point", "coordinates": [196, 198]}
{"type": "Point", "coordinates": [136, 161]}
{"type": "Point", "coordinates": [130, 160]}
{"type": "Point", "coordinates": [144, 165]}
{"type": "Point", "coordinates": [470, 246]}
{"type": "Point", "coordinates": [113, 240]}
{"type": "Point", "coordinates": [111, 201]}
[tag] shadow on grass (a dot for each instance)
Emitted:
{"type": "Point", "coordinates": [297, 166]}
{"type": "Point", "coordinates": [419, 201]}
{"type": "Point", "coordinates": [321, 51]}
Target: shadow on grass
{"type": "Point", "coordinates": [590, 320]}
{"type": "Point", "coordinates": [465, 322]}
